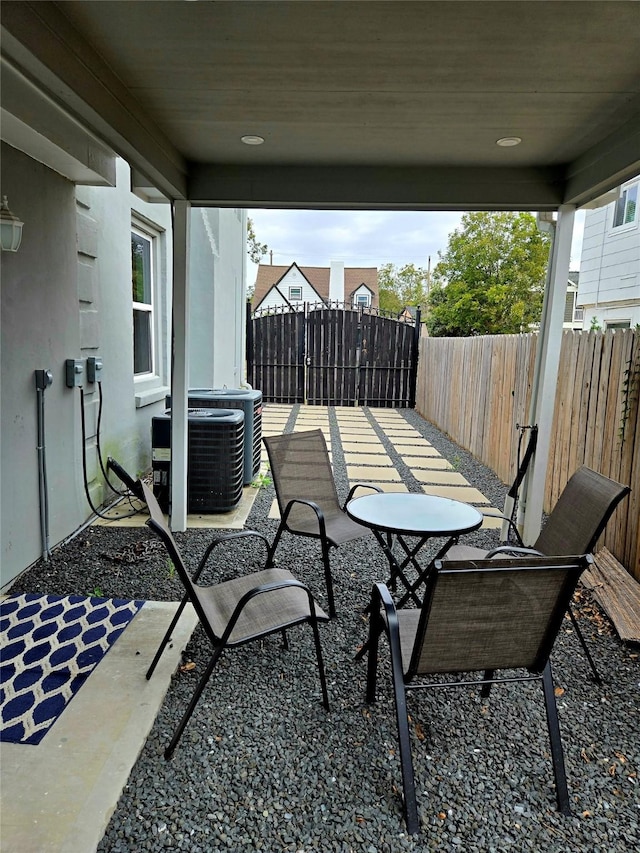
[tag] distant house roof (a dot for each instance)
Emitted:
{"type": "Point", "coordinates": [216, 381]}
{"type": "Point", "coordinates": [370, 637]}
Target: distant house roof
{"type": "Point", "coordinates": [269, 275]}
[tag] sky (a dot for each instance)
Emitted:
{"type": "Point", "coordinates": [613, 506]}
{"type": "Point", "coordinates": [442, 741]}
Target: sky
{"type": "Point", "coordinates": [362, 238]}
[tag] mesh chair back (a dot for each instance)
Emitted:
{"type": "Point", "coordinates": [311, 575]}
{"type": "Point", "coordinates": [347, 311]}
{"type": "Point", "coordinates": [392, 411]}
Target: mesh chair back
{"type": "Point", "coordinates": [491, 614]}
{"type": "Point", "coordinates": [301, 468]}
{"type": "Point", "coordinates": [159, 526]}
{"type": "Point", "coordinates": [581, 513]}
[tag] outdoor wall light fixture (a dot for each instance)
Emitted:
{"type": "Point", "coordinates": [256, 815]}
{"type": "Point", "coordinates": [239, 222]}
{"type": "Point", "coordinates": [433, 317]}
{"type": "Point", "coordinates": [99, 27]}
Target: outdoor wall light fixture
{"type": "Point", "coordinates": [251, 139]}
{"type": "Point", "coordinates": [10, 228]}
{"type": "Point", "coordinates": [508, 141]}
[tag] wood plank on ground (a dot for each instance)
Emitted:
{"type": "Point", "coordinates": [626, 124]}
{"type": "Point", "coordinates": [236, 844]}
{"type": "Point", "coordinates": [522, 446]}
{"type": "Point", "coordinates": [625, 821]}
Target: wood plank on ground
{"type": "Point", "coordinates": [617, 592]}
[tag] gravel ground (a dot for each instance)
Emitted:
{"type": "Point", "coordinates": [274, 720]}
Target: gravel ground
{"type": "Point", "coordinates": [262, 766]}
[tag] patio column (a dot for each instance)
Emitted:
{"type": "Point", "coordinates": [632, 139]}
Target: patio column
{"type": "Point", "coordinates": [545, 378]}
{"type": "Point", "coordinates": [179, 364]}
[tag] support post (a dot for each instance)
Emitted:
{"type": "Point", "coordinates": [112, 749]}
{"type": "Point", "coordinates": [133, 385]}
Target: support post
{"type": "Point", "coordinates": [180, 364]}
{"type": "Point", "coordinates": [543, 393]}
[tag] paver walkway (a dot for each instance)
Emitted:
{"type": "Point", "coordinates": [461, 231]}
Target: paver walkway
{"type": "Point", "coordinates": [367, 459]}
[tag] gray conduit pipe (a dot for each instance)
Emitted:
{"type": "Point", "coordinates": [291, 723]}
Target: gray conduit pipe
{"type": "Point", "coordinates": [43, 380]}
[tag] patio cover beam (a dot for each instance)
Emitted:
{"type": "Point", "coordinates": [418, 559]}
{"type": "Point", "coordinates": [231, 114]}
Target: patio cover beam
{"type": "Point", "coordinates": [40, 40]}
{"type": "Point", "coordinates": [376, 187]}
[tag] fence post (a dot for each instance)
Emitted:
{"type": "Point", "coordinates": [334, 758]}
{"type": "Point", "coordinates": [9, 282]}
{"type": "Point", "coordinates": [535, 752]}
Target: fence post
{"type": "Point", "coordinates": [248, 344]}
{"type": "Point", "coordinates": [415, 351]}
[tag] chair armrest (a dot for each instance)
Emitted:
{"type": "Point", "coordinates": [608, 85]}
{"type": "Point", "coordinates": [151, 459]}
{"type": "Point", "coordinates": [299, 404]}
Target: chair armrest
{"type": "Point", "coordinates": [512, 526]}
{"type": "Point", "coordinates": [383, 617]}
{"type": "Point", "coordinates": [356, 486]}
{"type": "Point", "coordinates": [263, 589]}
{"type": "Point", "coordinates": [312, 505]}
{"type": "Point", "coordinates": [227, 537]}
{"type": "Point", "coordinates": [513, 549]}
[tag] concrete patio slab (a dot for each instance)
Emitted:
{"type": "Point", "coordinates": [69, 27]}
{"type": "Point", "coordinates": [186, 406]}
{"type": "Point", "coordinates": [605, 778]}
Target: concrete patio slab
{"type": "Point", "coordinates": [426, 462]}
{"type": "Point", "coordinates": [120, 515]}
{"type": "Point", "coordinates": [466, 494]}
{"type": "Point", "coordinates": [92, 746]}
{"type": "Point", "coordinates": [363, 446]}
{"type": "Point", "coordinates": [384, 486]}
{"type": "Point", "coordinates": [372, 475]}
{"type": "Point", "coordinates": [367, 459]}
{"type": "Point", "coordinates": [446, 478]}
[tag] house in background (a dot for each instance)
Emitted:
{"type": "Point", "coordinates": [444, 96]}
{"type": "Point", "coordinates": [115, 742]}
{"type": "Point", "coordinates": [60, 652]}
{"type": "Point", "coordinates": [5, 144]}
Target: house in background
{"type": "Point", "coordinates": [573, 312]}
{"type": "Point", "coordinates": [292, 286]}
{"type": "Point", "coordinates": [609, 287]}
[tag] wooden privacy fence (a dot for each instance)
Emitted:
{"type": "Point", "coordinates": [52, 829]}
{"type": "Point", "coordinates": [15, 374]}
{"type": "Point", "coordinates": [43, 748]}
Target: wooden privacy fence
{"type": "Point", "coordinates": [477, 390]}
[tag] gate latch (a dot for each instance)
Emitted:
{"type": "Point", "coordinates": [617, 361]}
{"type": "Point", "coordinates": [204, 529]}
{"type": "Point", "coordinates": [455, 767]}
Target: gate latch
{"type": "Point", "coordinates": [307, 361]}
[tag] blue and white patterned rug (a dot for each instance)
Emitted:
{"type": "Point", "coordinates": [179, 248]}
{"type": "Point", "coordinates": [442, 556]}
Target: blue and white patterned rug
{"type": "Point", "coordinates": [49, 645]}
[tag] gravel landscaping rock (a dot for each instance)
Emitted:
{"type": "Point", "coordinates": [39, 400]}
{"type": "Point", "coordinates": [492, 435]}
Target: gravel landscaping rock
{"type": "Point", "coordinates": [262, 767]}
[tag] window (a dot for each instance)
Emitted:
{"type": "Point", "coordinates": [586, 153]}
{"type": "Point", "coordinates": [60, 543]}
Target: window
{"type": "Point", "coordinates": [617, 324]}
{"type": "Point", "coordinates": [362, 299]}
{"type": "Point", "coordinates": [626, 206]}
{"type": "Point", "coordinates": [142, 281]}
{"type": "Point", "coordinates": [295, 294]}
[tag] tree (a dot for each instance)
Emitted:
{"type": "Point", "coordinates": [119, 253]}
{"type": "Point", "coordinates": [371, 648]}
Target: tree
{"type": "Point", "coordinates": [256, 250]}
{"type": "Point", "coordinates": [490, 280]}
{"type": "Point", "coordinates": [398, 287]}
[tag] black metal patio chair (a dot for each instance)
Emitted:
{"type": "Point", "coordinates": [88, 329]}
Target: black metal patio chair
{"type": "Point", "coordinates": [579, 517]}
{"type": "Point", "coordinates": [477, 616]}
{"type": "Point", "coordinates": [307, 496]}
{"type": "Point", "coordinates": [237, 611]}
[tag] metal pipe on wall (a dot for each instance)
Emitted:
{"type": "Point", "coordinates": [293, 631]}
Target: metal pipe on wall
{"type": "Point", "coordinates": [44, 378]}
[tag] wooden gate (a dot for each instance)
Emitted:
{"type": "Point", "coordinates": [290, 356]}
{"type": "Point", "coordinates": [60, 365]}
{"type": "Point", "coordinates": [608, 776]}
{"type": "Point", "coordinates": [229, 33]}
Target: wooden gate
{"type": "Point", "coordinates": [329, 356]}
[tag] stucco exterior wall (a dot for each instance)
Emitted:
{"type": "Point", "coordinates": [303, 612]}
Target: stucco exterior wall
{"type": "Point", "coordinates": [67, 294]}
{"type": "Point", "coordinates": [39, 328]}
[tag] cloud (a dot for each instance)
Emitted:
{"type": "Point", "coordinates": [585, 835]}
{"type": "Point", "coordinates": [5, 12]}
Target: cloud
{"type": "Point", "coordinates": [362, 238]}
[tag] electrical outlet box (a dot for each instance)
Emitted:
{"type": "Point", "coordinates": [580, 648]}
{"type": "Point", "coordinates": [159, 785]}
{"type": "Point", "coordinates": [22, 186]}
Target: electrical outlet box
{"type": "Point", "coordinates": [44, 378]}
{"type": "Point", "coordinates": [94, 369]}
{"type": "Point", "coordinates": [74, 372]}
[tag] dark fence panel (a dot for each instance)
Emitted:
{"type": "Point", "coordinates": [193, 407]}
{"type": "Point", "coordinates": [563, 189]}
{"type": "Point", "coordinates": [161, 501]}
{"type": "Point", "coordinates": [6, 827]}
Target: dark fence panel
{"type": "Point", "coordinates": [276, 364]}
{"type": "Point", "coordinates": [333, 356]}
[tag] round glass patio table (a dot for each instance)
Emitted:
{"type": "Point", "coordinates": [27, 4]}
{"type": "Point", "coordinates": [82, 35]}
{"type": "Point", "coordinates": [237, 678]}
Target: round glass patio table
{"type": "Point", "coordinates": [401, 514]}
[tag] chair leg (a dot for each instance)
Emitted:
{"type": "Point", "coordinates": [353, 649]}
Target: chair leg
{"type": "Point", "coordinates": [485, 690]}
{"type": "Point", "coordinates": [168, 753]}
{"type": "Point", "coordinates": [557, 755]}
{"type": "Point", "coordinates": [323, 679]}
{"type": "Point", "coordinates": [371, 646]}
{"type": "Point", "coordinates": [328, 579]}
{"type": "Point", "coordinates": [285, 639]}
{"type": "Point", "coordinates": [583, 643]}
{"type": "Point", "coordinates": [404, 739]}
{"type": "Point", "coordinates": [167, 636]}
{"type": "Point", "coordinates": [272, 550]}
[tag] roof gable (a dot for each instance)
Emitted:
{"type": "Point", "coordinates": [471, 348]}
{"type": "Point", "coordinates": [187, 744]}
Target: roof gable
{"type": "Point", "coordinates": [269, 276]}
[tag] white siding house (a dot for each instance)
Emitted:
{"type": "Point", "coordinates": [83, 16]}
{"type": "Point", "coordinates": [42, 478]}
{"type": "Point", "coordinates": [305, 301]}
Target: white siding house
{"type": "Point", "coordinates": [609, 289]}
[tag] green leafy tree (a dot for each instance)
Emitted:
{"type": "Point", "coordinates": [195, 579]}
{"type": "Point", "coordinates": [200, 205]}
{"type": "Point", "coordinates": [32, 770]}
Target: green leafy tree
{"type": "Point", "coordinates": [490, 280]}
{"type": "Point", "coordinates": [256, 250]}
{"type": "Point", "coordinates": [401, 286]}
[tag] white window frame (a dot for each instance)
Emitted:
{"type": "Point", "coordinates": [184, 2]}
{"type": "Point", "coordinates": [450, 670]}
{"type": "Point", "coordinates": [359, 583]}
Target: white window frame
{"type": "Point", "coordinates": [151, 386]}
{"type": "Point", "coordinates": [624, 201]}
{"type": "Point", "coordinates": [617, 324]}
{"type": "Point", "coordinates": [298, 289]}
{"type": "Point", "coordinates": [363, 299]}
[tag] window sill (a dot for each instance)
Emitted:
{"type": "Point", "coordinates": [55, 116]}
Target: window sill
{"type": "Point", "coordinates": [153, 395]}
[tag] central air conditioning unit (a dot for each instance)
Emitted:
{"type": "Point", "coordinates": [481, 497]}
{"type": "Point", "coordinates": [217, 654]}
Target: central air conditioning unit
{"type": "Point", "coordinates": [215, 459]}
{"type": "Point", "coordinates": [236, 398]}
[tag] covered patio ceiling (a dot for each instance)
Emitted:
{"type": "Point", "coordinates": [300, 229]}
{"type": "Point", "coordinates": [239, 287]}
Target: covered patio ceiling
{"type": "Point", "coordinates": [360, 104]}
